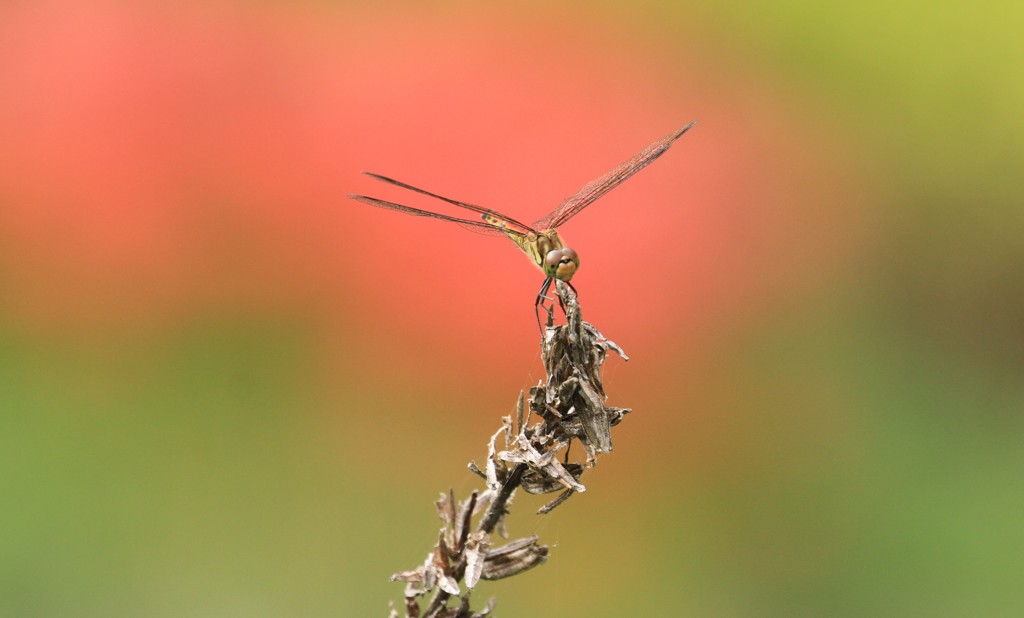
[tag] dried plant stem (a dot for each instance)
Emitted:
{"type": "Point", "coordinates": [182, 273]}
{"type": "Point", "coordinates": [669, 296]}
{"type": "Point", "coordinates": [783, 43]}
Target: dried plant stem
{"type": "Point", "coordinates": [491, 518]}
{"type": "Point", "coordinates": [570, 406]}
{"type": "Point", "coordinates": [497, 509]}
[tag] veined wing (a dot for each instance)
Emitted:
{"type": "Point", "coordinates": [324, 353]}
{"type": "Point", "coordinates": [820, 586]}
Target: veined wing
{"type": "Point", "coordinates": [597, 188]}
{"type": "Point", "coordinates": [496, 220]}
{"type": "Point", "coordinates": [475, 225]}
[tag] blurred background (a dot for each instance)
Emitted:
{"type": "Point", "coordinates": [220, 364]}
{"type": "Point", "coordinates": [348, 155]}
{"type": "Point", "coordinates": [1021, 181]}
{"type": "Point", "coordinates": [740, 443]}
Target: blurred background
{"type": "Point", "coordinates": [226, 390]}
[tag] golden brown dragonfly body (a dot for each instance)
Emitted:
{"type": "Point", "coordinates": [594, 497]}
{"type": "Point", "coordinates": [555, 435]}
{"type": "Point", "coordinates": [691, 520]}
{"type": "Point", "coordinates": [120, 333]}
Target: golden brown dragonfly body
{"type": "Point", "coordinates": [540, 241]}
{"type": "Point", "coordinates": [544, 247]}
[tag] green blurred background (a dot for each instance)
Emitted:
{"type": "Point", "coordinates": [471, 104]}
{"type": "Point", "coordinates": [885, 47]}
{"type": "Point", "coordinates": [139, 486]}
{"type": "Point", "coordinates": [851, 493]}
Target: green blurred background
{"type": "Point", "coordinates": [227, 391]}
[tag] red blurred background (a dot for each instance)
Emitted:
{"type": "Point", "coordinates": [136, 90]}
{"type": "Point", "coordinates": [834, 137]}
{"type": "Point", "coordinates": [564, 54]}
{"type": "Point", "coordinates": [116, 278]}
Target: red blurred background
{"type": "Point", "coordinates": [162, 161]}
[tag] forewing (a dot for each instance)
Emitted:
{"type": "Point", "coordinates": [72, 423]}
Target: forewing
{"type": "Point", "coordinates": [496, 218]}
{"type": "Point", "coordinates": [597, 188]}
{"type": "Point", "coordinates": [476, 226]}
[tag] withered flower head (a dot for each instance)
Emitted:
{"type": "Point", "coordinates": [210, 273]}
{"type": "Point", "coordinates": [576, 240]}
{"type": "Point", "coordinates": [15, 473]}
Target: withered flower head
{"type": "Point", "coordinates": [568, 405]}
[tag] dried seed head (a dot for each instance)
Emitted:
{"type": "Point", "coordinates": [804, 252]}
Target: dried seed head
{"type": "Point", "coordinates": [568, 405]}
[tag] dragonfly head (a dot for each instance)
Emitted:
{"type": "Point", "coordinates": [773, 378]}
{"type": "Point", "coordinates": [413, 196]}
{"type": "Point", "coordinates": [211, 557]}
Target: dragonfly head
{"type": "Point", "coordinates": [561, 263]}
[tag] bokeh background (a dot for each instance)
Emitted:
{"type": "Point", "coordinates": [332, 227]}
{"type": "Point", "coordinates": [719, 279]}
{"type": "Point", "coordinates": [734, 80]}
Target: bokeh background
{"type": "Point", "coordinates": [226, 390]}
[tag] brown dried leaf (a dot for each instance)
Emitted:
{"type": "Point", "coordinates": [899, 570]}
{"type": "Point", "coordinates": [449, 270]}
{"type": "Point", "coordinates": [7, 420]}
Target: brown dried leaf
{"type": "Point", "coordinates": [408, 576]}
{"type": "Point", "coordinates": [476, 549]}
{"type": "Point", "coordinates": [446, 509]}
{"type": "Point", "coordinates": [550, 506]}
{"type": "Point", "coordinates": [441, 560]}
{"type": "Point", "coordinates": [539, 482]}
{"type": "Point", "coordinates": [567, 389]}
{"type": "Point", "coordinates": [449, 584]}
{"type": "Point", "coordinates": [514, 558]}
{"type": "Point", "coordinates": [595, 420]}
{"type": "Point", "coordinates": [520, 420]}
{"type": "Point", "coordinates": [419, 581]}
{"type": "Point", "coordinates": [546, 464]}
{"type": "Point", "coordinates": [495, 472]}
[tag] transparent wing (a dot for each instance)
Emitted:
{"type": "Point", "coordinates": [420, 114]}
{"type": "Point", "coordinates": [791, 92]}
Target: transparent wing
{"type": "Point", "coordinates": [597, 188]}
{"type": "Point", "coordinates": [474, 225]}
{"type": "Point", "coordinates": [494, 218]}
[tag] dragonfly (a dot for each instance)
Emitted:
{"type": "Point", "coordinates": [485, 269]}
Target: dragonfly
{"type": "Point", "coordinates": [539, 240]}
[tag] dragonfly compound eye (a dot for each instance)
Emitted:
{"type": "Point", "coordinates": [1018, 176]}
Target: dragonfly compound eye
{"type": "Point", "coordinates": [561, 263]}
{"type": "Point", "coordinates": [552, 259]}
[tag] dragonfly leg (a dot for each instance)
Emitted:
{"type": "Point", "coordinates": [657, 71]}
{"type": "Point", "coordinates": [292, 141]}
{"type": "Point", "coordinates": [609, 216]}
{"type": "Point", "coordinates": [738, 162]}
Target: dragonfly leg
{"type": "Point", "coordinates": [540, 303]}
